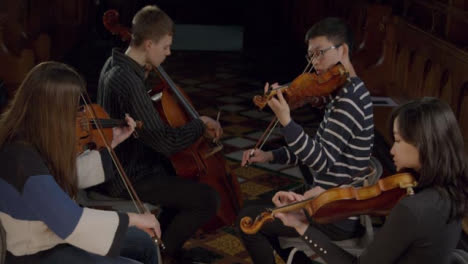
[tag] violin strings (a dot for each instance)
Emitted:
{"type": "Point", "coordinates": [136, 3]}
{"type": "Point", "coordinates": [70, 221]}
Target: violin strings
{"type": "Point", "coordinates": [310, 65]}
{"type": "Point", "coordinates": [279, 87]}
{"type": "Point", "coordinates": [369, 169]}
{"type": "Point", "coordinates": [107, 122]}
{"type": "Point", "coordinates": [291, 204]}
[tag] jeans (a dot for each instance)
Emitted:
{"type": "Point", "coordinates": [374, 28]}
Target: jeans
{"type": "Point", "coordinates": [137, 248]}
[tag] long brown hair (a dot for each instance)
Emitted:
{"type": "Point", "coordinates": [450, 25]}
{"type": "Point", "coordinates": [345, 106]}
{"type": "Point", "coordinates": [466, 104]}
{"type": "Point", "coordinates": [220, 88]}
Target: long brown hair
{"type": "Point", "coordinates": [43, 114]}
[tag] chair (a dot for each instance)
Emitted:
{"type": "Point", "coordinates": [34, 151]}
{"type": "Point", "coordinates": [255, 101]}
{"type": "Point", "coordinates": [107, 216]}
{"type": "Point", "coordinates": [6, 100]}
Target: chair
{"type": "Point", "coordinates": [458, 256]}
{"type": "Point", "coordinates": [3, 244]}
{"type": "Point", "coordinates": [355, 245]}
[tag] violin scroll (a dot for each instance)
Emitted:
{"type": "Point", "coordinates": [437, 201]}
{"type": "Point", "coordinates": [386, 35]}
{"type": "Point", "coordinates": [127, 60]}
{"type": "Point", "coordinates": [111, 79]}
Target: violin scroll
{"type": "Point", "coordinates": [261, 100]}
{"type": "Point", "coordinates": [252, 227]}
{"type": "Point", "coordinates": [110, 20]}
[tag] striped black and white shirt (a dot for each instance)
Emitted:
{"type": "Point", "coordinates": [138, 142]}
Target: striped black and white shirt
{"type": "Point", "coordinates": [122, 90]}
{"type": "Point", "coordinates": [342, 146]}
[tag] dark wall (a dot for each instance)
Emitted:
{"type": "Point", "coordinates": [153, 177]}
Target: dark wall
{"type": "Point", "coordinates": [273, 29]}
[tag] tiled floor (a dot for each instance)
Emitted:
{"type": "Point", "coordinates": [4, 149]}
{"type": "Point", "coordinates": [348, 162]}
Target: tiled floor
{"type": "Point", "coordinates": [220, 83]}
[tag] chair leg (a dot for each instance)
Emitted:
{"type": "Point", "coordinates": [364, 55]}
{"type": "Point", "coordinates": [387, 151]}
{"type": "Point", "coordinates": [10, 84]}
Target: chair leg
{"type": "Point", "coordinates": [3, 244]}
{"type": "Point", "coordinates": [291, 256]}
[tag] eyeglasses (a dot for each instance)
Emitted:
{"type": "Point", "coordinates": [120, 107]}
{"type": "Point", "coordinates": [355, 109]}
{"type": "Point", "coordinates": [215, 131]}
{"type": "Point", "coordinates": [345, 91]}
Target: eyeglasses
{"type": "Point", "coordinates": [319, 53]}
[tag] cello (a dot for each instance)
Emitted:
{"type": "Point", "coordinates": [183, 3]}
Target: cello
{"type": "Point", "coordinates": [201, 161]}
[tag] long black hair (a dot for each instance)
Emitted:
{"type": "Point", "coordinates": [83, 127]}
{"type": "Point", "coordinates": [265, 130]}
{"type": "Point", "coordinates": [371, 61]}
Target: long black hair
{"type": "Point", "coordinates": [430, 125]}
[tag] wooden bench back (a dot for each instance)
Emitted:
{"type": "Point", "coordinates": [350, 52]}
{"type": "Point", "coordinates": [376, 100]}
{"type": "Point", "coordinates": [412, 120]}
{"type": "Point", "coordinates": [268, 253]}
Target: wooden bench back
{"type": "Point", "coordinates": [416, 64]}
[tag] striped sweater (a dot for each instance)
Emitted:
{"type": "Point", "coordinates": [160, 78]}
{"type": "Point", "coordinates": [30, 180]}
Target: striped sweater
{"type": "Point", "coordinates": [342, 146]}
{"type": "Point", "coordinates": [38, 215]}
{"type": "Point", "coordinates": [122, 90]}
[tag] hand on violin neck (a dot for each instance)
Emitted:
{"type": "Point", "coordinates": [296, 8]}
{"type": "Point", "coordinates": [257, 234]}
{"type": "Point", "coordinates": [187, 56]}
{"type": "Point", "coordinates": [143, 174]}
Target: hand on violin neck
{"type": "Point", "coordinates": [268, 88]}
{"type": "Point", "coordinates": [256, 156]}
{"type": "Point", "coordinates": [294, 219]}
{"type": "Point", "coordinates": [313, 192]}
{"type": "Point", "coordinates": [281, 108]}
{"type": "Point", "coordinates": [121, 133]}
{"type": "Point", "coordinates": [213, 128]}
{"type": "Point", "coordinates": [283, 198]}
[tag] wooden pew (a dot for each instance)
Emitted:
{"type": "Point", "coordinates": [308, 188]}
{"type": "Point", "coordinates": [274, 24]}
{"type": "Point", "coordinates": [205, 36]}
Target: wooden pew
{"type": "Point", "coordinates": [14, 67]}
{"type": "Point", "coordinates": [418, 64]}
{"type": "Point", "coordinates": [370, 52]}
{"type": "Point", "coordinates": [19, 50]}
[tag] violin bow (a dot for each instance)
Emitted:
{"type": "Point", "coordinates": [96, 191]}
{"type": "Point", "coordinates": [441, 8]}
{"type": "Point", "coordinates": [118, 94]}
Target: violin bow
{"type": "Point", "coordinates": [140, 207]}
{"type": "Point", "coordinates": [274, 122]}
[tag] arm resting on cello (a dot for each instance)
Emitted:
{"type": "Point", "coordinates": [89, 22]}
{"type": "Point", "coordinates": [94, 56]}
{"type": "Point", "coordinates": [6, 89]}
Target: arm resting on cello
{"type": "Point", "coordinates": [155, 133]}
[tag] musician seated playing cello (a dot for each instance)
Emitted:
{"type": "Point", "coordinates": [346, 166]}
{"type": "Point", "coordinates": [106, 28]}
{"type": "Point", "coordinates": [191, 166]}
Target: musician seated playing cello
{"type": "Point", "coordinates": [422, 228]}
{"type": "Point", "coordinates": [339, 151]}
{"type": "Point", "coordinates": [41, 175]}
{"type": "Point", "coordinates": [186, 204]}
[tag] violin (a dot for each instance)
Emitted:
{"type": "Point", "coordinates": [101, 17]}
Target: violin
{"type": "Point", "coordinates": [90, 123]}
{"type": "Point", "coordinates": [339, 203]}
{"type": "Point", "coordinates": [307, 86]}
{"type": "Point", "coordinates": [87, 127]}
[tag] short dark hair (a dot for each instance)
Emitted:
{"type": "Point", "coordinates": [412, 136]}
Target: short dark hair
{"type": "Point", "coordinates": [430, 125]}
{"type": "Point", "coordinates": [334, 29]}
{"type": "Point", "coordinates": [150, 23]}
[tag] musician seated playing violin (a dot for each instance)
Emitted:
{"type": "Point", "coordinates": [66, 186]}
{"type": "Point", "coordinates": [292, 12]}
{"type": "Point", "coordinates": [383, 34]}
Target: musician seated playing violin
{"type": "Point", "coordinates": [339, 153]}
{"type": "Point", "coordinates": [41, 175]}
{"type": "Point", "coordinates": [421, 228]}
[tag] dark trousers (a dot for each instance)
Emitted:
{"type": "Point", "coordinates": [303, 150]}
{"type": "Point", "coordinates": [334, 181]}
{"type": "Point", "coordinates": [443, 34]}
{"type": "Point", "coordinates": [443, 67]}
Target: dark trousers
{"type": "Point", "coordinates": [186, 206]}
{"type": "Point", "coordinates": [138, 248]}
{"type": "Point", "coordinates": [261, 245]}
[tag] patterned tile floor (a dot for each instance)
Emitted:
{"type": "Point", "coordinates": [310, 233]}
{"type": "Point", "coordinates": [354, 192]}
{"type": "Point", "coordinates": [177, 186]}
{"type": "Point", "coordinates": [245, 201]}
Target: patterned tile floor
{"type": "Point", "coordinates": [218, 82]}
